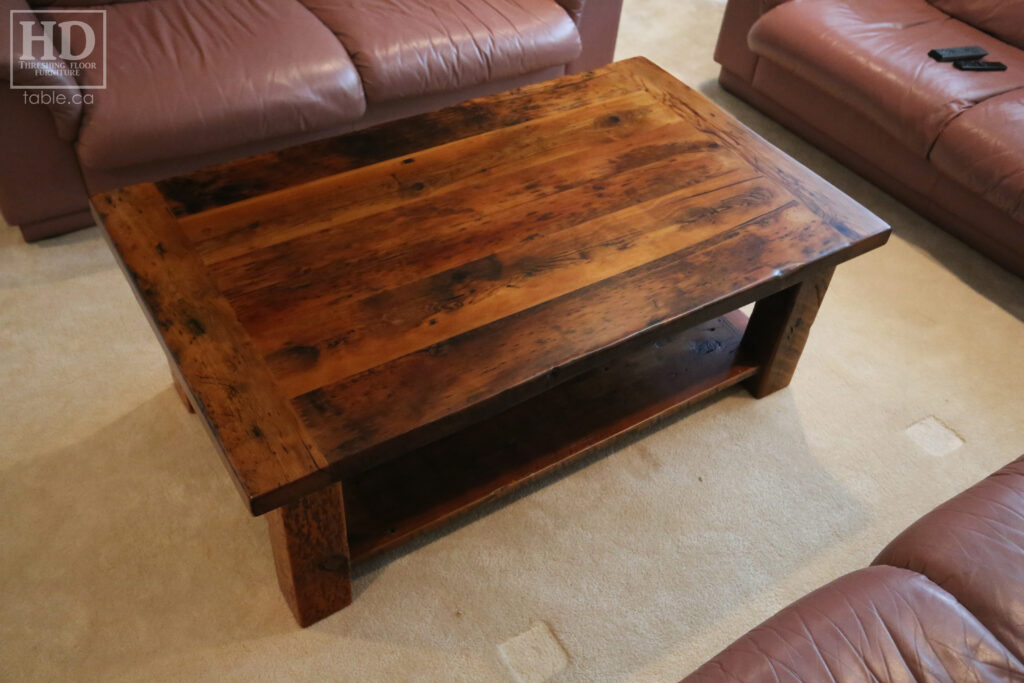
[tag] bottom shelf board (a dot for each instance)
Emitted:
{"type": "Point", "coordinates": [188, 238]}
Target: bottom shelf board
{"type": "Point", "coordinates": [393, 502]}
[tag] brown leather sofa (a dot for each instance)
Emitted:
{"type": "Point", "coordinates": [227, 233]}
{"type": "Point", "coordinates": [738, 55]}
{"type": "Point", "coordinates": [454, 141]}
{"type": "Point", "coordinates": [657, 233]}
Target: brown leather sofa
{"type": "Point", "coordinates": [853, 77]}
{"type": "Point", "coordinates": [943, 602]}
{"type": "Point", "coordinates": [195, 82]}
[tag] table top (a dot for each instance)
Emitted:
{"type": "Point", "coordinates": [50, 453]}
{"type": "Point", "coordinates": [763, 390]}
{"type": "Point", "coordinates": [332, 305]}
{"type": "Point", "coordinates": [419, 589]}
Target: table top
{"type": "Point", "coordinates": [335, 304]}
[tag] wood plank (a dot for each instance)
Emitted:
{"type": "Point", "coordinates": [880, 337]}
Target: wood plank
{"type": "Point", "coordinates": [391, 504]}
{"type": "Point", "coordinates": [359, 258]}
{"type": "Point", "coordinates": [331, 236]}
{"type": "Point", "coordinates": [352, 337]}
{"type": "Point", "coordinates": [261, 438]}
{"type": "Point", "coordinates": [659, 160]}
{"type": "Point", "coordinates": [429, 394]}
{"type": "Point", "coordinates": [263, 221]}
{"type": "Point", "coordinates": [238, 180]}
{"type": "Point", "coordinates": [865, 230]}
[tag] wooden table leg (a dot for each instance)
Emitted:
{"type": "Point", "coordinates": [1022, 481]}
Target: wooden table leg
{"type": "Point", "coordinates": [310, 546]}
{"type": "Point", "coordinates": [777, 332]}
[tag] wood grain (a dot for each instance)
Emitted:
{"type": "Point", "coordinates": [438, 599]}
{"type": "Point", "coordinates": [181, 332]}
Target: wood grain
{"type": "Point", "coordinates": [357, 259]}
{"type": "Point", "coordinates": [778, 332]}
{"type": "Point", "coordinates": [332, 236]}
{"type": "Point", "coordinates": [433, 311]}
{"type": "Point", "coordinates": [268, 219]}
{"type": "Point", "coordinates": [429, 394]}
{"type": "Point", "coordinates": [865, 230]}
{"type": "Point", "coordinates": [264, 444]}
{"type": "Point", "coordinates": [310, 544]}
{"type": "Point", "coordinates": [239, 180]}
{"type": "Point", "coordinates": [393, 503]}
{"type": "Point", "coordinates": [354, 337]}
{"type": "Point", "coordinates": [338, 304]}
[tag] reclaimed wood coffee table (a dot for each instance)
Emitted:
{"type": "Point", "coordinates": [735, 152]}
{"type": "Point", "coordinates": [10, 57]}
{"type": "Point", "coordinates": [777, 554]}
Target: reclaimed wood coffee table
{"type": "Point", "coordinates": [385, 329]}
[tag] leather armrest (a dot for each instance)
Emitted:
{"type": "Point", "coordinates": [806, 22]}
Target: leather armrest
{"type": "Point", "coordinates": [66, 103]}
{"type": "Point", "coordinates": [574, 8]}
{"type": "Point", "coordinates": [732, 51]}
{"type": "Point", "coordinates": [598, 24]}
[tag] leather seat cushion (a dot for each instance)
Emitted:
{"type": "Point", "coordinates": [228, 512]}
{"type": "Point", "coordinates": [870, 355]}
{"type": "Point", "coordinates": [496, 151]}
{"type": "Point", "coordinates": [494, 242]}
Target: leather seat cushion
{"type": "Point", "coordinates": [983, 148]}
{"type": "Point", "coordinates": [876, 624]}
{"type": "Point", "coordinates": [187, 77]}
{"type": "Point", "coordinates": [407, 48]}
{"type": "Point", "coordinates": [873, 56]}
{"type": "Point", "coordinates": [973, 547]}
{"type": "Point", "coordinates": [1002, 18]}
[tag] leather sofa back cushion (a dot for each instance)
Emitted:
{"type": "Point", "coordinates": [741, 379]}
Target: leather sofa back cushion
{"type": "Point", "coordinates": [1002, 18]}
{"type": "Point", "coordinates": [192, 77]}
{"type": "Point", "coordinates": [411, 48]}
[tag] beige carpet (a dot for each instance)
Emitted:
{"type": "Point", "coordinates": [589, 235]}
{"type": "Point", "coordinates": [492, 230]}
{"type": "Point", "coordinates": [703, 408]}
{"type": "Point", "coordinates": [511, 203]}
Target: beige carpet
{"type": "Point", "coordinates": [126, 555]}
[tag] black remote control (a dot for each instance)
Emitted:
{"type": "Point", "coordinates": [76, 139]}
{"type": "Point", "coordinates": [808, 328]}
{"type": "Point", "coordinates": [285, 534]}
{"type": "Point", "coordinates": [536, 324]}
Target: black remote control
{"type": "Point", "coordinates": [958, 54]}
{"type": "Point", "coordinates": [979, 66]}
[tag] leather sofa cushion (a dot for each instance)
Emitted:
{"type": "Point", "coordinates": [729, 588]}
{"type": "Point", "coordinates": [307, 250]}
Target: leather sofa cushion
{"type": "Point", "coordinates": [983, 148]}
{"type": "Point", "coordinates": [973, 547]}
{"type": "Point", "coordinates": [873, 56]}
{"type": "Point", "coordinates": [187, 77]}
{"type": "Point", "coordinates": [876, 624]}
{"type": "Point", "coordinates": [1001, 18]}
{"type": "Point", "coordinates": [407, 48]}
